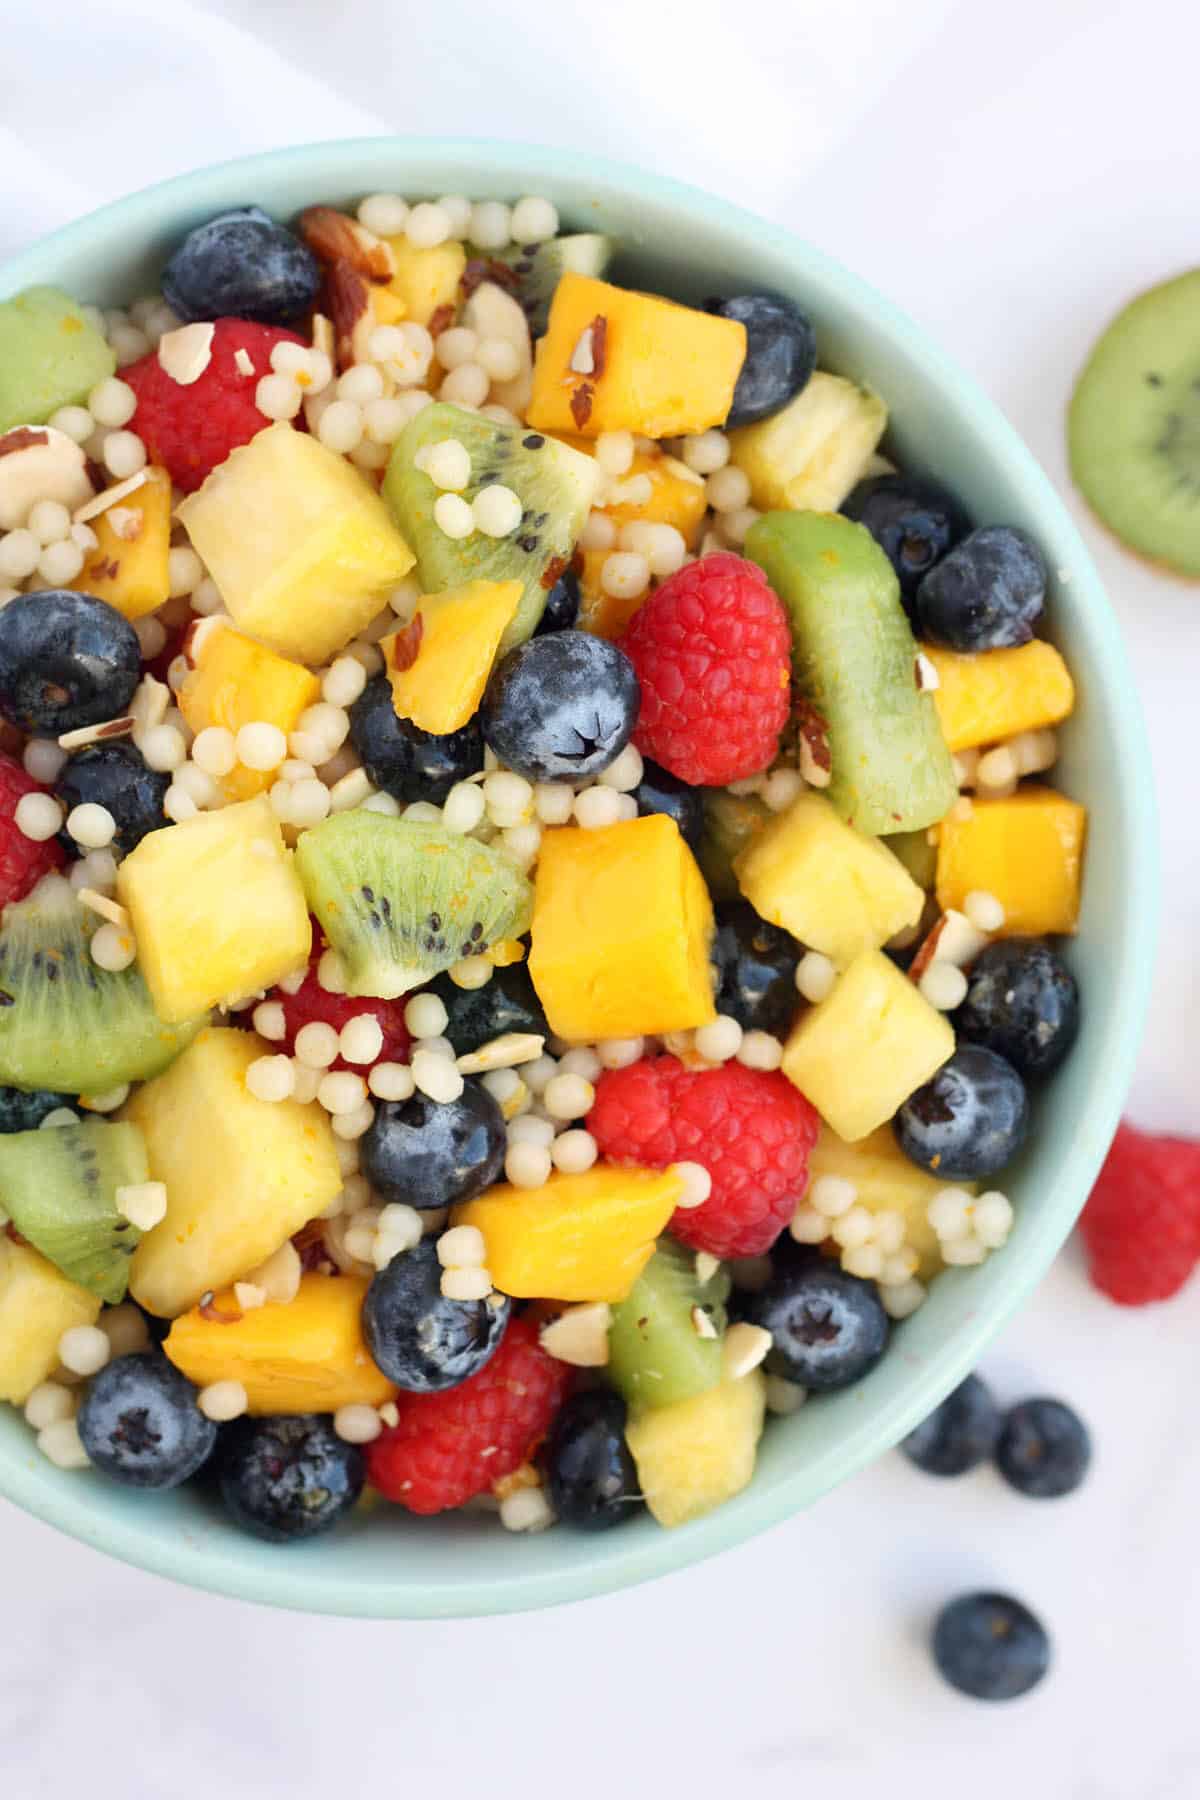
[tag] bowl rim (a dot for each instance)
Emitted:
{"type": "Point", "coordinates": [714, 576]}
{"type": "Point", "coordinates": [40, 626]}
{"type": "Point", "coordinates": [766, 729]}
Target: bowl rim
{"type": "Point", "coordinates": [297, 1584]}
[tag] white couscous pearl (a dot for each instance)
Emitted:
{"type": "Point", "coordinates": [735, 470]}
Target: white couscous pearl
{"type": "Point", "coordinates": [199, 787]}
{"type": "Point", "coordinates": [706, 452]}
{"type": "Point", "coordinates": [361, 1039]}
{"type": "Point", "coordinates": [185, 571]}
{"type": "Point", "coordinates": [625, 574]}
{"type": "Point", "coordinates": [462, 1247]}
{"type": "Point", "coordinates": [902, 1300]}
{"type": "Point", "coordinates": [75, 421]}
{"type": "Point", "coordinates": [963, 1252]}
{"type": "Point", "coordinates": [697, 1184]}
{"type": "Point", "coordinates": [508, 797]}
{"type": "Point", "coordinates": [528, 1509]}
{"type": "Point", "coordinates": [719, 1041]}
{"type": "Point", "coordinates": [619, 1053]}
{"type": "Point", "coordinates": [889, 1231]}
{"type": "Point", "coordinates": [614, 452]}
{"type": "Point", "coordinates": [125, 1329]}
{"type": "Point", "coordinates": [19, 552]}
{"type": "Point", "coordinates": [151, 635]}
{"type": "Point", "coordinates": [342, 1092]}
{"type": "Point", "coordinates": [221, 1401]}
{"type": "Point", "coordinates": [112, 403]}
{"type": "Point", "coordinates": [43, 759]}
{"type": "Point", "coordinates": [91, 825]}
{"type": "Point", "coordinates": [455, 346]}
{"type": "Point", "coordinates": [271, 1078]}
{"type": "Point", "coordinates": [38, 817]}
{"type": "Point", "coordinates": [163, 749]}
{"type": "Point", "coordinates": [356, 1423]}
{"type": "Point", "coordinates": [815, 976]}
{"type": "Point", "coordinates": [527, 1165]}
{"type": "Point", "coordinates": [214, 750]}
{"type": "Point", "coordinates": [425, 1016]}
{"type": "Point", "coordinates": [899, 1267]}
{"type": "Point", "coordinates": [49, 521]}
{"type": "Point", "coordinates": [491, 225]}
{"type": "Point", "coordinates": [625, 771]}
{"type": "Point", "coordinates": [84, 1349]}
{"type": "Point", "coordinates": [391, 1081]}
{"type": "Point", "coordinates": [384, 420]}
{"type": "Point", "coordinates": [179, 805]}
{"type": "Point", "coordinates": [552, 801]}
{"type": "Point", "coordinates": [453, 516]}
{"type": "Point", "coordinates": [944, 986]}
{"type": "Point", "coordinates": [534, 220]}
{"type": "Point", "coordinates": [270, 1021]}
{"type": "Point", "coordinates": [124, 454]}
{"type": "Point", "coordinates": [112, 949]}
{"type": "Point", "coordinates": [522, 842]}
{"type": "Point", "coordinates": [993, 1219]}
{"type": "Point", "coordinates": [109, 1100]}
{"type": "Point", "coordinates": [573, 1152]}
{"type": "Point", "coordinates": [863, 1260]}
{"type": "Point", "coordinates": [49, 1404]}
{"type": "Point", "coordinates": [448, 465]}
{"type": "Point", "coordinates": [309, 802]}
{"type": "Point", "coordinates": [781, 788]}
{"type": "Point", "coordinates": [808, 1226]}
{"type": "Point", "coordinates": [464, 807]}
{"type": "Point", "coordinates": [832, 1195]}
{"type": "Point", "coordinates": [662, 546]}
{"type": "Point", "coordinates": [581, 1061]}
{"type": "Point", "coordinates": [466, 1284]}
{"type": "Point", "coordinates": [61, 1443]}
{"type": "Point", "coordinates": [457, 208]}
{"type": "Point", "coordinates": [384, 214]}
{"type": "Point", "coordinates": [597, 807]}
{"type": "Point", "coordinates": [467, 385]}
{"type": "Point", "coordinates": [427, 225]}
{"type": "Point", "coordinates": [854, 1227]}
{"type": "Point", "coordinates": [599, 532]}
{"type": "Point", "coordinates": [528, 1128]}
{"type": "Point", "coordinates": [316, 1044]}
{"type": "Point", "coordinates": [320, 733]}
{"type": "Point", "coordinates": [436, 1075]}
{"type": "Point", "coordinates": [499, 360]}
{"type": "Point", "coordinates": [996, 771]}
{"type": "Point", "coordinates": [471, 972]}
{"type": "Point", "coordinates": [278, 397]}
{"type": "Point", "coordinates": [340, 426]}
{"type": "Point", "coordinates": [261, 746]}
{"type": "Point", "coordinates": [728, 489]}
{"type": "Point", "coordinates": [983, 910]}
{"type": "Point", "coordinates": [949, 1213]}
{"type": "Point", "coordinates": [60, 563]}
{"type": "Point", "coordinates": [361, 384]}
{"type": "Point", "coordinates": [206, 599]}
{"type": "Point", "coordinates": [759, 1050]}
{"type": "Point", "coordinates": [735, 524]}
{"type": "Point", "coordinates": [423, 812]}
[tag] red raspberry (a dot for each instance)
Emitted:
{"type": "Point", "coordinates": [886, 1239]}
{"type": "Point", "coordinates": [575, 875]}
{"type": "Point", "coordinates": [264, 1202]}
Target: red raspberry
{"type": "Point", "coordinates": [311, 1003]}
{"type": "Point", "coordinates": [751, 1130]}
{"type": "Point", "coordinates": [22, 862]}
{"type": "Point", "coordinates": [712, 650]}
{"type": "Point", "coordinates": [1141, 1226]}
{"type": "Point", "coordinates": [449, 1447]}
{"type": "Point", "coordinates": [189, 430]}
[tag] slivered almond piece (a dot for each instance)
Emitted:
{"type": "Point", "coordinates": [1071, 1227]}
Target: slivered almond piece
{"type": "Point", "coordinates": [335, 236]}
{"type": "Point", "coordinates": [322, 334]}
{"type": "Point", "coordinates": [702, 1325]}
{"type": "Point", "coordinates": [348, 297]}
{"type": "Point", "coordinates": [97, 734]}
{"type": "Point", "coordinates": [126, 523]}
{"type": "Point", "coordinates": [951, 939]}
{"type": "Point", "coordinates": [744, 1348]}
{"type": "Point", "coordinates": [186, 353]}
{"type": "Point", "coordinates": [579, 1336]}
{"type": "Point", "coordinates": [243, 362]}
{"type": "Point", "coordinates": [504, 1052]}
{"type": "Point", "coordinates": [112, 496]}
{"type": "Point", "coordinates": [149, 705]}
{"type": "Point", "coordinates": [112, 910]}
{"type": "Point", "coordinates": [673, 466]}
{"type": "Point", "coordinates": [583, 360]}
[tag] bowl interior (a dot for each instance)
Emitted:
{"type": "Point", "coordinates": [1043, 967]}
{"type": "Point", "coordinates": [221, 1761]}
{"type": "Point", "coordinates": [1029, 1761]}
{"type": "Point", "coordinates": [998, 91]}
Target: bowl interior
{"type": "Point", "coordinates": [681, 242]}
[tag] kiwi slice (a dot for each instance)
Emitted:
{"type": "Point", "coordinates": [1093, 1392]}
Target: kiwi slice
{"type": "Point", "coordinates": [538, 269]}
{"type": "Point", "coordinates": [730, 821]}
{"type": "Point", "coordinates": [65, 1023]}
{"type": "Point", "coordinates": [400, 902]}
{"type": "Point", "coordinates": [555, 485]}
{"type": "Point", "coordinates": [656, 1355]}
{"type": "Point", "coordinates": [49, 356]}
{"type": "Point", "coordinates": [59, 1186]}
{"type": "Point", "coordinates": [1133, 430]}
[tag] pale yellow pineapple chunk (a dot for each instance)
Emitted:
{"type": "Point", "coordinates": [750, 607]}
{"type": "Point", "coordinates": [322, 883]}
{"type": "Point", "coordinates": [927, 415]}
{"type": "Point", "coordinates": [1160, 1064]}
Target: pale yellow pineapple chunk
{"type": "Point", "coordinates": [242, 1175]}
{"type": "Point", "coordinates": [426, 280]}
{"type": "Point", "coordinates": [886, 1181]}
{"type": "Point", "coordinates": [37, 1304]}
{"type": "Point", "coordinates": [218, 911]}
{"type": "Point", "coordinates": [809, 456]}
{"type": "Point", "coordinates": [695, 1455]}
{"type": "Point", "coordinates": [299, 543]}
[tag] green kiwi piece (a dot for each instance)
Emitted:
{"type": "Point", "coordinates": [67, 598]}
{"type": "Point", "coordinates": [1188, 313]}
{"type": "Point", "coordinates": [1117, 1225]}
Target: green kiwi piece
{"type": "Point", "coordinates": [538, 268]}
{"type": "Point", "coordinates": [555, 485]}
{"type": "Point", "coordinates": [917, 854]}
{"type": "Point", "coordinates": [656, 1356]}
{"type": "Point", "coordinates": [58, 1185]}
{"type": "Point", "coordinates": [49, 356]}
{"type": "Point", "coordinates": [730, 821]}
{"type": "Point", "coordinates": [400, 902]}
{"type": "Point", "coordinates": [1133, 429]}
{"type": "Point", "coordinates": [65, 1023]}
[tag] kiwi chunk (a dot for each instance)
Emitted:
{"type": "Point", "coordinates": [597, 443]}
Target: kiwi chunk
{"type": "Point", "coordinates": [59, 1187]}
{"type": "Point", "coordinates": [49, 356]}
{"type": "Point", "coordinates": [554, 483]}
{"type": "Point", "coordinates": [730, 821]}
{"type": "Point", "coordinates": [917, 854]}
{"type": "Point", "coordinates": [400, 902]}
{"type": "Point", "coordinates": [656, 1354]}
{"type": "Point", "coordinates": [538, 269]}
{"type": "Point", "coordinates": [65, 1023]}
{"type": "Point", "coordinates": [1133, 430]}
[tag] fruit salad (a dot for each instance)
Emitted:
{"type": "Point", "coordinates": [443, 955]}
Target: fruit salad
{"type": "Point", "coordinates": [533, 890]}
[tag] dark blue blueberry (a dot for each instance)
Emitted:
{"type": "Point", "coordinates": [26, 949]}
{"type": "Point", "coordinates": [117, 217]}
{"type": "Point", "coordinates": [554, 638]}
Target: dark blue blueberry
{"type": "Point", "coordinates": [914, 521]}
{"type": "Point", "coordinates": [970, 1120]}
{"type": "Point", "coordinates": [959, 1434]}
{"type": "Point", "coordinates": [990, 1647]}
{"type": "Point", "coordinates": [242, 264]}
{"type": "Point", "coordinates": [1023, 1003]}
{"type": "Point", "coordinates": [987, 594]}
{"type": "Point", "coordinates": [288, 1477]}
{"type": "Point", "coordinates": [828, 1328]}
{"type": "Point", "coordinates": [561, 707]}
{"type": "Point", "coordinates": [661, 792]}
{"type": "Point", "coordinates": [781, 354]}
{"type": "Point", "coordinates": [66, 660]}
{"type": "Point", "coordinates": [508, 1002]}
{"type": "Point", "coordinates": [590, 1471]}
{"type": "Point", "coordinates": [420, 1340]}
{"type": "Point", "coordinates": [140, 1423]}
{"type": "Point", "coordinates": [1045, 1449]}
{"type": "Point", "coordinates": [429, 1153]}
{"type": "Point", "coordinates": [115, 777]}
{"type": "Point", "coordinates": [756, 965]}
{"type": "Point", "coordinates": [405, 761]}
{"type": "Point", "coordinates": [21, 1111]}
{"type": "Point", "coordinates": [562, 604]}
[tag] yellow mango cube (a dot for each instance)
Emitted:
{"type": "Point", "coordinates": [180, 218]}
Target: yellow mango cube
{"type": "Point", "coordinates": [128, 567]}
{"type": "Point", "coordinates": [1027, 850]}
{"type": "Point", "coordinates": [693, 1456]}
{"type": "Point", "coordinates": [677, 494]}
{"type": "Point", "coordinates": [236, 682]}
{"type": "Point", "coordinates": [425, 280]}
{"type": "Point", "coordinates": [809, 456]}
{"type": "Point", "coordinates": [859, 1054]}
{"type": "Point", "coordinates": [986, 698]}
{"type": "Point", "coordinates": [217, 909]}
{"type": "Point", "coordinates": [651, 366]}
{"type": "Point", "coordinates": [439, 664]}
{"type": "Point", "coordinates": [885, 1180]}
{"type": "Point", "coordinates": [37, 1304]}
{"type": "Point", "coordinates": [622, 925]}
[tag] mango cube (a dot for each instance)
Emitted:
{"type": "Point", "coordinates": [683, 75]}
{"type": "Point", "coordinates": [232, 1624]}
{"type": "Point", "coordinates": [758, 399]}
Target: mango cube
{"type": "Point", "coordinates": [984, 699]}
{"type": "Point", "coordinates": [236, 682]}
{"type": "Point", "coordinates": [218, 911]}
{"type": "Point", "coordinates": [37, 1304]}
{"type": "Point", "coordinates": [809, 456]}
{"type": "Point", "coordinates": [1027, 850]}
{"type": "Point", "coordinates": [439, 664]}
{"type": "Point", "coordinates": [425, 279]}
{"type": "Point", "coordinates": [695, 1455]}
{"type": "Point", "coordinates": [622, 925]}
{"type": "Point", "coordinates": [677, 494]}
{"type": "Point", "coordinates": [299, 543]}
{"type": "Point", "coordinates": [885, 1180]}
{"type": "Point", "coordinates": [128, 567]}
{"type": "Point", "coordinates": [859, 1054]}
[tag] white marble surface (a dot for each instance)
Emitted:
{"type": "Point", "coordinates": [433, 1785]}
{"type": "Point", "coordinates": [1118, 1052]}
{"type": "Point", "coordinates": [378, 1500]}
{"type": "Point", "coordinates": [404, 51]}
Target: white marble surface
{"type": "Point", "coordinates": [1011, 175]}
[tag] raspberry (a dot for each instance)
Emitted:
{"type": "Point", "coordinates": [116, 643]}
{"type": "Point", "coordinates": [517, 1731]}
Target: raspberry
{"type": "Point", "coordinates": [1141, 1226]}
{"type": "Point", "coordinates": [311, 1003]}
{"type": "Point", "coordinates": [752, 1131]}
{"type": "Point", "coordinates": [451, 1446]}
{"type": "Point", "coordinates": [712, 650]}
{"type": "Point", "coordinates": [22, 862]}
{"type": "Point", "coordinates": [189, 430]}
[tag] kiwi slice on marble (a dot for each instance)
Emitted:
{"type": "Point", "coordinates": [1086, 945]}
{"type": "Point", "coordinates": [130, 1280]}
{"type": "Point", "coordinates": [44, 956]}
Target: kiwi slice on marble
{"type": "Point", "coordinates": [65, 1023]}
{"type": "Point", "coordinates": [664, 1342]}
{"type": "Point", "coordinates": [58, 1185]}
{"type": "Point", "coordinates": [555, 485]}
{"type": "Point", "coordinates": [538, 268]}
{"type": "Point", "coordinates": [1133, 429]}
{"type": "Point", "coordinates": [399, 902]}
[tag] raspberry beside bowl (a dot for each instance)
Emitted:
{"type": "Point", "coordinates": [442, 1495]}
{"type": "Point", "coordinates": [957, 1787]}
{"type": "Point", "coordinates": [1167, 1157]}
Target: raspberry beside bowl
{"type": "Point", "coordinates": [682, 242]}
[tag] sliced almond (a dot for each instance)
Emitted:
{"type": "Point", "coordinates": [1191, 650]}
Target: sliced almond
{"type": "Point", "coordinates": [702, 1325]}
{"type": "Point", "coordinates": [335, 236]}
{"type": "Point", "coordinates": [243, 362]}
{"type": "Point", "coordinates": [39, 463]}
{"type": "Point", "coordinates": [927, 678]}
{"type": "Point", "coordinates": [186, 353]}
{"type": "Point", "coordinates": [951, 939]}
{"type": "Point", "coordinates": [744, 1348]}
{"type": "Point", "coordinates": [673, 466]}
{"type": "Point", "coordinates": [579, 1336]}
{"type": "Point", "coordinates": [706, 1266]}
{"type": "Point", "coordinates": [583, 356]}
{"type": "Point", "coordinates": [322, 335]}
{"type": "Point", "coordinates": [505, 1052]}
{"type": "Point", "coordinates": [97, 734]}
{"type": "Point", "coordinates": [279, 1276]}
{"type": "Point", "coordinates": [101, 503]}
{"type": "Point", "coordinates": [196, 637]}
{"type": "Point", "coordinates": [109, 909]}
{"type": "Point", "coordinates": [491, 313]}
{"type": "Point", "coordinates": [149, 704]}
{"type": "Point", "coordinates": [126, 522]}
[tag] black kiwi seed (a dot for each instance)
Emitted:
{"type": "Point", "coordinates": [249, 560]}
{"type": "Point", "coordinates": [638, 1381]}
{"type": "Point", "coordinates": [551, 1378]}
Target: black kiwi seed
{"type": "Point", "coordinates": [534, 441]}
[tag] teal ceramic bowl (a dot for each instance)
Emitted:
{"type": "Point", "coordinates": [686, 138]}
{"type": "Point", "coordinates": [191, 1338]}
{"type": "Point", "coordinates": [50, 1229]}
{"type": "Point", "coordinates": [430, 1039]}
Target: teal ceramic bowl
{"type": "Point", "coordinates": [687, 244]}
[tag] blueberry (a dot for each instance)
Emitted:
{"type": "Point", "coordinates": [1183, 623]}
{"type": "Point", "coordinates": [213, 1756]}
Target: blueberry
{"type": "Point", "coordinates": [987, 594]}
{"type": "Point", "coordinates": [405, 761]}
{"type": "Point", "coordinates": [115, 777]}
{"type": "Point", "coordinates": [990, 1646]}
{"type": "Point", "coordinates": [420, 1340]}
{"type": "Point", "coordinates": [242, 263]}
{"type": "Point", "coordinates": [66, 660]}
{"type": "Point", "coordinates": [1023, 1003]}
{"type": "Point", "coordinates": [969, 1120]}
{"type": "Point", "coordinates": [914, 521]}
{"type": "Point", "coordinates": [828, 1328]}
{"type": "Point", "coordinates": [590, 1471]}
{"type": "Point", "coordinates": [959, 1434]}
{"type": "Point", "coordinates": [561, 707]}
{"type": "Point", "coordinates": [22, 1111]}
{"type": "Point", "coordinates": [1045, 1449]}
{"type": "Point", "coordinates": [289, 1476]}
{"type": "Point", "coordinates": [140, 1423]}
{"type": "Point", "coordinates": [562, 604]}
{"type": "Point", "coordinates": [781, 354]}
{"type": "Point", "coordinates": [661, 792]}
{"type": "Point", "coordinates": [756, 965]}
{"type": "Point", "coordinates": [508, 1002]}
{"type": "Point", "coordinates": [430, 1153]}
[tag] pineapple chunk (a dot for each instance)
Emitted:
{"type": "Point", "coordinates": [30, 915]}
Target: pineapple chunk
{"type": "Point", "coordinates": [425, 280]}
{"type": "Point", "coordinates": [695, 1455]}
{"type": "Point", "coordinates": [834, 888]}
{"type": "Point", "coordinates": [299, 543]}
{"type": "Point", "coordinates": [235, 682]}
{"type": "Point", "coordinates": [614, 360]}
{"type": "Point", "coordinates": [242, 1175]}
{"type": "Point", "coordinates": [886, 1181]}
{"type": "Point", "coordinates": [439, 665]}
{"type": "Point", "coordinates": [860, 1053]}
{"type": "Point", "coordinates": [622, 925]}
{"type": "Point", "coordinates": [217, 909]}
{"type": "Point", "coordinates": [1027, 850]}
{"type": "Point", "coordinates": [305, 1356]}
{"type": "Point", "coordinates": [810, 455]}
{"type": "Point", "coordinates": [37, 1304]}
{"type": "Point", "coordinates": [983, 699]}
{"type": "Point", "coordinates": [128, 567]}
